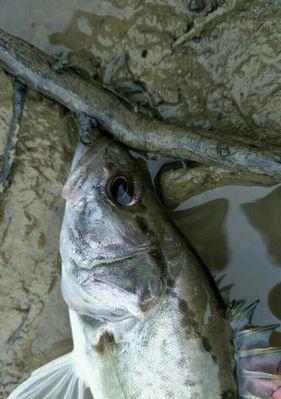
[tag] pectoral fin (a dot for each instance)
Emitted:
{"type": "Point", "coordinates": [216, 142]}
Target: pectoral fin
{"type": "Point", "coordinates": [58, 379]}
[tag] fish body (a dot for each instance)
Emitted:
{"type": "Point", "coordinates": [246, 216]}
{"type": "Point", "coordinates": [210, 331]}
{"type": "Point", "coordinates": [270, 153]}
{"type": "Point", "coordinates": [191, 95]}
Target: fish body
{"type": "Point", "coordinates": [147, 319]}
{"type": "Point", "coordinates": [149, 296]}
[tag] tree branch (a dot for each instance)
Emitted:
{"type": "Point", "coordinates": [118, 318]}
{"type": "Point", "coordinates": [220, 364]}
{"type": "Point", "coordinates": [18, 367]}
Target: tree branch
{"type": "Point", "coordinates": [34, 68]}
{"type": "Point", "coordinates": [176, 183]}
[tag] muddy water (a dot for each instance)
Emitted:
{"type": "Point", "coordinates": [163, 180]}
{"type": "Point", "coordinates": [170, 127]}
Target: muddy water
{"type": "Point", "coordinates": [209, 81]}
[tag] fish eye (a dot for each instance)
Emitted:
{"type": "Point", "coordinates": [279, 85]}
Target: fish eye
{"type": "Point", "coordinates": [121, 191]}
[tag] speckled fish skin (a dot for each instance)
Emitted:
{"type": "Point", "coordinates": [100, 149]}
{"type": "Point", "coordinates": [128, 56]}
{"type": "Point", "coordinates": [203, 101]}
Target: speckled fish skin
{"type": "Point", "coordinates": [147, 320]}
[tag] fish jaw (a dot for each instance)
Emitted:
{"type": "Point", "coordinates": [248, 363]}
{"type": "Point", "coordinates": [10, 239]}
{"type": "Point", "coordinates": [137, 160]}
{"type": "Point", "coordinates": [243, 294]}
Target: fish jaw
{"type": "Point", "coordinates": [106, 292]}
{"type": "Point", "coordinates": [99, 306]}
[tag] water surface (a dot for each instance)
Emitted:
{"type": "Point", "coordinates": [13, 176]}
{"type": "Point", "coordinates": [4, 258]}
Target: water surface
{"type": "Point", "coordinates": [236, 230]}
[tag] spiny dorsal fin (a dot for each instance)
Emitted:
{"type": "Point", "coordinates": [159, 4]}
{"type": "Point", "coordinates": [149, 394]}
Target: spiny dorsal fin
{"type": "Point", "coordinates": [258, 365]}
{"type": "Point", "coordinates": [261, 359]}
{"type": "Point", "coordinates": [259, 373]}
{"type": "Point", "coordinates": [237, 306]}
{"type": "Point", "coordinates": [242, 319]}
{"type": "Point", "coordinates": [58, 379]}
{"type": "Point", "coordinates": [263, 385]}
{"type": "Point", "coordinates": [255, 337]}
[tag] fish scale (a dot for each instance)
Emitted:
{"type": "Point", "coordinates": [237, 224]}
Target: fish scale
{"type": "Point", "coordinates": [148, 321]}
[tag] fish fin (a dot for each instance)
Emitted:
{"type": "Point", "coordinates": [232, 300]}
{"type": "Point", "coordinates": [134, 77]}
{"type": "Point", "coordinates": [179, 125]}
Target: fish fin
{"type": "Point", "coordinates": [264, 360]}
{"type": "Point", "coordinates": [259, 372]}
{"type": "Point", "coordinates": [242, 319]}
{"type": "Point", "coordinates": [58, 379]}
{"type": "Point", "coordinates": [236, 306]}
{"type": "Point", "coordinates": [258, 365]}
{"type": "Point", "coordinates": [261, 385]}
{"type": "Point", "coordinates": [255, 337]}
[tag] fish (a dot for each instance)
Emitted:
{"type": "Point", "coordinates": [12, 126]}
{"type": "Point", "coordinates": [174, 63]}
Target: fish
{"type": "Point", "coordinates": [147, 319]}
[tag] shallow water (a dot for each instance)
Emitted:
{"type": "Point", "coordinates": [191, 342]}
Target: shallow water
{"type": "Point", "coordinates": [236, 230]}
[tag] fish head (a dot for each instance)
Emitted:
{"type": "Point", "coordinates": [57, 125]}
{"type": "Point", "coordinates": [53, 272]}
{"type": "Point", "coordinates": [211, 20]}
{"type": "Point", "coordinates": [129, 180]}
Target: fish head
{"type": "Point", "coordinates": [116, 242]}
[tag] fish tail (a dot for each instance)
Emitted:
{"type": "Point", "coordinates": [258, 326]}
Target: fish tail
{"type": "Point", "coordinates": [258, 364]}
{"type": "Point", "coordinates": [58, 379]}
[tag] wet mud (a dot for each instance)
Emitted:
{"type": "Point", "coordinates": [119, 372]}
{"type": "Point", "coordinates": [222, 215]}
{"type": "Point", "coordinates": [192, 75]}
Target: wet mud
{"type": "Point", "coordinates": [224, 76]}
{"type": "Point", "coordinates": [30, 218]}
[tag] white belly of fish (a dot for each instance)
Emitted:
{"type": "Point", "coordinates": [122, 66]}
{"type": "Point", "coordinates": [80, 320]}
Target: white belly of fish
{"type": "Point", "coordinates": [155, 361]}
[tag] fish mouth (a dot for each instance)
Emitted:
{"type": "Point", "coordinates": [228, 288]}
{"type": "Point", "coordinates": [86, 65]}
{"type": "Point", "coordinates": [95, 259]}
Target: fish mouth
{"type": "Point", "coordinates": [109, 261]}
{"type": "Point", "coordinates": [93, 263]}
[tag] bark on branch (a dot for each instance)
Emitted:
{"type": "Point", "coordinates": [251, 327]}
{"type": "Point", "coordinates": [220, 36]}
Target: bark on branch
{"type": "Point", "coordinates": [35, 69]}
{"type": "Point", "coordinates": [176, 183]}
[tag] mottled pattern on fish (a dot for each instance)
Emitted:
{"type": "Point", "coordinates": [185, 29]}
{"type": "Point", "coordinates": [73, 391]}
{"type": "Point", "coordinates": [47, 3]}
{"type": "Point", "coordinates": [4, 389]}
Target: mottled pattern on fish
{"type": "Point", "coordinates": [144, 284]}
{"type": "Point", "coordinates": [147, 319]}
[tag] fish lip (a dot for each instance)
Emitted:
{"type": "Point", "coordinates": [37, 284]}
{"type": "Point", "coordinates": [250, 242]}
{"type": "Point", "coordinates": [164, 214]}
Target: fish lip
{"type": "Point", "coordinates": [111, 261]}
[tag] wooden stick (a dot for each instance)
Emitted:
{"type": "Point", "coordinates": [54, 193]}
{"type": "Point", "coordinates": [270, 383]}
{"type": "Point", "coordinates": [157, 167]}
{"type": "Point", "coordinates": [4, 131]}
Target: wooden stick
{"type": "Point", "coordinates": [35, 69]}
{"type": "Point", "coordinates": [176, 184]}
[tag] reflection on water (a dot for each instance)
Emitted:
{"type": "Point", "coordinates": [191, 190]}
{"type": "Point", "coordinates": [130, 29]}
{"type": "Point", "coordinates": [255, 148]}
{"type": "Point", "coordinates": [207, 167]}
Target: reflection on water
{"type": "Point", "coordinates": [274, 300]}
{"type": "Point", "coordinates": [246, 233]}
{"type": "Point", "coordinates": [83, 25]}
{"type": "Point", "coordinates": [265, 216]}
{"type": "Point", "coordinates": [204, 225]}
{"type": "Point", "coordinates": [48, 25]}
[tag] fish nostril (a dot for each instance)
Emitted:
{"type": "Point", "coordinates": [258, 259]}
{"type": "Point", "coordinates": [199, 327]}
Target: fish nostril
{"type": "Point", "coordinates": [144, 53]}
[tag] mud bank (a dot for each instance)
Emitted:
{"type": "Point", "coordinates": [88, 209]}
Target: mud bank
{"type": "Point", "coordinates": [30, 218]}
{"type": "Point", "coordinates": [224, 76]}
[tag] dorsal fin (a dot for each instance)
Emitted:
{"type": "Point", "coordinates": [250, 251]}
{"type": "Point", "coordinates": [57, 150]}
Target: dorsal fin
{"type": "Point", "coordinates": [58, 379]}
{"type": "Point", "coordinates": [243, 319]}
{"type": "Point", "coordinates": [260, 359]}
{"type": "Point", "coordinates": [254, 337]}
{"type": "Point", "coordinates": [258, 364]}
{"type": "Point", "coordinates": [262, 385]}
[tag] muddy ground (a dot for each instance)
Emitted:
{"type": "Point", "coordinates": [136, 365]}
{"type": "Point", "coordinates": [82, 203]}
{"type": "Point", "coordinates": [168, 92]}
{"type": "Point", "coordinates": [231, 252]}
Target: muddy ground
{"type": "Point", "coordinates": [225, 76]}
